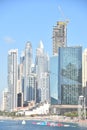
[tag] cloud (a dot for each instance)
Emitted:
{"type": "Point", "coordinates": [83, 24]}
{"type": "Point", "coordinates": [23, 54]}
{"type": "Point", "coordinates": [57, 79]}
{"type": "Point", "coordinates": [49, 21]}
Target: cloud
{"type": "Point", "coordinates": [8, 39]}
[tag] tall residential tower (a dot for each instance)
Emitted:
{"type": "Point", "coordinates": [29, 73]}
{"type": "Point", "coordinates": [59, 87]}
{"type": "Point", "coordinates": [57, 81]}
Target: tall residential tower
{"type": "Point", "coordinates": [12, 78]}
{"type": "Point", "coordinates": [27, 68]}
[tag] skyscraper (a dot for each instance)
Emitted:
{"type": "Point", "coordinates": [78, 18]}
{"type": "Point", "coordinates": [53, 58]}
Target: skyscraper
{"type": "Point", "coordinates": [54, 80]}
{"type": "Point", "coordinates": [59, 36]}
{"type": "Point", "coordinates": [20, 86]}
{"type": "Point", "coordinates": [27, 68]}
{"type": "Point", "coordinates": [70, 75]}
{"type": "Point", "coordinates": [22, 73]}
{"type": "Point", "coordinates": [41, 60]}
{"type": "Point", "coordinates": [28, 58]}
{"type": "Point", "coordinates": [12, 78]}
{"type": "Point", "coordinates": [41, 63]}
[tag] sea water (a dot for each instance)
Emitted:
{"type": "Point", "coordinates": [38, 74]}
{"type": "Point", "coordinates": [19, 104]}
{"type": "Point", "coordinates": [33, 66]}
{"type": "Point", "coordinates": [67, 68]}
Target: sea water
{"type": "Point", "coordinates": [17, 125]}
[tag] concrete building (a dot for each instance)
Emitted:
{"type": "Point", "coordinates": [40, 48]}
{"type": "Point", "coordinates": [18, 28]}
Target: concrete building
{"type": "Point", "coordinates": [59, 36]}
{"type": "Point", "coordinates": [12, 78]}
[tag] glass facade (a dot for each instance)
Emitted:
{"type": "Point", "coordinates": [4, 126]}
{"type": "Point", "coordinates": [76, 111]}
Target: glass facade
{"type": "Point", "coordinates": [69, 75]}
{"type": "Point", "coordinates": [54, 80]}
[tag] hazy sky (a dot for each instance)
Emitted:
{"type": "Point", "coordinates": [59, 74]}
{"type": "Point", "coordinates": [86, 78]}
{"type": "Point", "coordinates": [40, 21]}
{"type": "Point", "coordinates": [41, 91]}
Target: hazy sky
{"type": "Point", "coordinates": [33, 20]}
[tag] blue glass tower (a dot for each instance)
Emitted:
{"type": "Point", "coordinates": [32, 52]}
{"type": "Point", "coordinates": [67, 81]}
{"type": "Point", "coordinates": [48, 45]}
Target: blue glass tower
{"type": "Point", "coordinates": [69, 75]}
{"type": "Point", "coordinates": [54, 80]}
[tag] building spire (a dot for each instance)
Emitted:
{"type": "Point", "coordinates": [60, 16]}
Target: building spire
{"type": "Point", "coordinates": [41, 44]}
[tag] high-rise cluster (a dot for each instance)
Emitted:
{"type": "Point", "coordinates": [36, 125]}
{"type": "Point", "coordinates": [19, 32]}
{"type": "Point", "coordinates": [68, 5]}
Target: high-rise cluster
{"type": "Point", "coordinates": [28, 81]}
{"type": "Point", "coordinates": [56, 80]}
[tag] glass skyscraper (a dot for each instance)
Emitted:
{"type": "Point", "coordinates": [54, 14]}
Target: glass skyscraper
{"type": "Point", "coordinates": [69, 75]}
{"type": "Point", "coordinates": [54, 80]}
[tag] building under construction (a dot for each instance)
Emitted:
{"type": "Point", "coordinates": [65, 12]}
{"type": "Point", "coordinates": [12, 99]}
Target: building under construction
{"type": "Point", "coordinates": [59, 36]}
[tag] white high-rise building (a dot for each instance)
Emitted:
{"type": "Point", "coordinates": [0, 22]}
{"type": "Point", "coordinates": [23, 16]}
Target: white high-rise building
{"type": "Point", "coordinates": [27, 68]}
{"type": "Point", "coordinates": [42, 61]}
{"type": "Point", "coordinates": [12, 78]}
{"type": "Point", "coordinates": [84, 68]}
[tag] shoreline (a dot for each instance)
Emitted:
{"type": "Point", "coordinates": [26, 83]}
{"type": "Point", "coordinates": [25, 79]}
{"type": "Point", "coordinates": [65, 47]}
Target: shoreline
{"type": "Point", "coordinates": [49, 118]}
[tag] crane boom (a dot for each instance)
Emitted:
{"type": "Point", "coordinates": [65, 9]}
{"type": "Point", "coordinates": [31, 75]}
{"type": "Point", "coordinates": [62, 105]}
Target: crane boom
{"type": "Point", "coordinates": [62, 14]}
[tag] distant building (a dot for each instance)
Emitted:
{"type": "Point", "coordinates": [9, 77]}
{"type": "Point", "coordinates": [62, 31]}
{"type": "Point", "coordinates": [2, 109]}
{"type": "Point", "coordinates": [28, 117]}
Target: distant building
{"type": "Point", "coordinates": [12, 78]}
{"type": "Point", "coordinates": [31, 89]}
{"type": "Point", "coordinates": [20, 100]}
{"type": "Point", "coordinates": [20, 84]}
{"type": "Point", "coordinates": [70, 75]}
{"type": "Point", "coordinates": [59, 36]}
{"type": "Point", "coordinates": [5, 100]}
{"type": "Point", "coordinates": [54, 80]}
{"type": "Point", "coordinates": [21, 74]}
{"type": "Point", "coordinates": [42, 66]}
{"type": "Point", "coordinates": [45, 84]}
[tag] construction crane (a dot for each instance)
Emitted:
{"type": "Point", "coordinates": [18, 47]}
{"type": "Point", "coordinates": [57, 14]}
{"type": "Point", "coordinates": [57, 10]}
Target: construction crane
{"type": "Point", "coordinates": [62, 14]}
